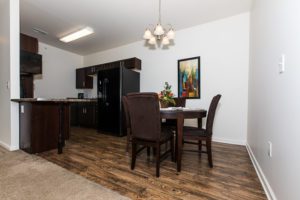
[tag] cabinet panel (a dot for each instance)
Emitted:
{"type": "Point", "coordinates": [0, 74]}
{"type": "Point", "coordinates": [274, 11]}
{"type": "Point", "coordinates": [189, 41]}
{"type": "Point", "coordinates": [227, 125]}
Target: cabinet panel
{"type": "Point", "coordinates": [28, 43]}
{"type": "Point", "coordinates": [26, 86]}
{"type": "Point", "coordinates": [83, 81]}
{"type": "Point", "coordinates": [30, 63]}
{"type": "Point", "coordinates": [84, 114]}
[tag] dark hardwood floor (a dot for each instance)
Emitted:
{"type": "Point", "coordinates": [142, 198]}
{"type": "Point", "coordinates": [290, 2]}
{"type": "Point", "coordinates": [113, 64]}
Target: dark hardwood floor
{"type": "Point", "coordinates": [102, 159]}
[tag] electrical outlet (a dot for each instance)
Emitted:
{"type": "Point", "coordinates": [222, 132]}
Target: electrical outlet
{"type": "Point", "coordinates": [270, 149]}
{"type": "Point", "coordinates": [22, 109]}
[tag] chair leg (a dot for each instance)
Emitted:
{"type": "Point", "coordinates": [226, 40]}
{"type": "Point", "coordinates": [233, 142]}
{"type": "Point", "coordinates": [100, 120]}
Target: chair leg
{"type": "Point", "coordinates": [133, 155]}
{"type": "Point", "coordinates": [148, 151]}
{"type": "Point", "coordinates": [209, 152]}
{"type": "Point", "coordinates": [172, 149]}
{"type": "Point", "coordinates": [200, 147]}
{"type": "Point", "coordinates": [154, 151]}
{"type": "Point", "coordinates": [128, 142]}
{"type": "Point", "coordinates": [157, 159]}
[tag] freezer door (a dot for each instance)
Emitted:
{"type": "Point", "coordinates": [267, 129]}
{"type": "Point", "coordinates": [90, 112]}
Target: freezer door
{"type": "Point", "coordinates": [109, 100]}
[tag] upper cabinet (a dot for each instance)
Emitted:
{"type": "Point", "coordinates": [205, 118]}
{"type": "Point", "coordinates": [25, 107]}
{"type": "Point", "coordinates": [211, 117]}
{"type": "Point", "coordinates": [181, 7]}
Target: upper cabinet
{"type": "Point", "coordinates": [132, 63]}
{"type": "Point", "coordinates": [84, 79]}
{"type": "Point", "coordinates": [29, 44]}
{"type": "Point", "coordinates": [30, 60]}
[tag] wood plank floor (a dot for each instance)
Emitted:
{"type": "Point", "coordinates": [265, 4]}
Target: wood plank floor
{"type": "Point", "coordinates": [102, 159]}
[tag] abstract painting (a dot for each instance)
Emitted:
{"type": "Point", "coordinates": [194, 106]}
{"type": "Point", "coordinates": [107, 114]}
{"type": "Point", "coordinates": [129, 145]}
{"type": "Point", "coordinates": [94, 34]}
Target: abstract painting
{"type": "Point", "coordinates": [189, 78]}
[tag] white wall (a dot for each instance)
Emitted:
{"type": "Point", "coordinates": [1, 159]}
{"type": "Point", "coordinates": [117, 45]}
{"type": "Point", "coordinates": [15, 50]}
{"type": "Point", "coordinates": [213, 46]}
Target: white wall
{"type": "Point", "coordinates": [274, 99]}
{"type": "Point", "coordinates": [58, 78]}
{"type": "Point", "coordinates": [9, 73]}
{"type": "Point", "coordinates": [224, 49]}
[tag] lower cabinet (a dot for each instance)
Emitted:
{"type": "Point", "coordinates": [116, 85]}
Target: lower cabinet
{"type": "Point", "coordinates": [39, 126]}
{"type": "Point", "coordinates": [84, 114]}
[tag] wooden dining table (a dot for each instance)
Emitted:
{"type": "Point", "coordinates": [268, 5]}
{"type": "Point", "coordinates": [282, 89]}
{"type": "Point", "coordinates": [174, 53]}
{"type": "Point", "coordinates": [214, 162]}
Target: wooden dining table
{"type": "Point", "coordinates": [180, 114]}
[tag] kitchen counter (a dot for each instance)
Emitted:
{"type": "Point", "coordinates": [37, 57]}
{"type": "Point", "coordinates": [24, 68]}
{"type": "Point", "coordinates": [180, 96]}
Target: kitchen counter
{"type": "Point", "coordinates": [45, 123]}
{"type": "Point", "coordinates": [45, 100]}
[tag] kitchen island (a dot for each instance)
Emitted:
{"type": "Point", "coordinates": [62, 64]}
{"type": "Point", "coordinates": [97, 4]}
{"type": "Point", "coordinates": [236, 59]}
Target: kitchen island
{"type": "Point", "coordinates": [45, 123]}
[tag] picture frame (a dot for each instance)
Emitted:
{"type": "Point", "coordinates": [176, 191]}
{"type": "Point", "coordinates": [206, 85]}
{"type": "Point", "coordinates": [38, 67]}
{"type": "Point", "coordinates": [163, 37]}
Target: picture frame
{"type": "Point", "coordinates": [189, 78]}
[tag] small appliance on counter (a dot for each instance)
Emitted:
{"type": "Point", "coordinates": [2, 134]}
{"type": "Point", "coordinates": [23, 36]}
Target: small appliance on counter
{"type": "Point", "coordinates": [80, 95]}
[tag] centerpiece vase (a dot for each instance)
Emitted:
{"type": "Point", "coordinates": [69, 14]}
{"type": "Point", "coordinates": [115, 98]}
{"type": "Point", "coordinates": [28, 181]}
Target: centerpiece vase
{"type": "Point", "coordinates": [164, 104]}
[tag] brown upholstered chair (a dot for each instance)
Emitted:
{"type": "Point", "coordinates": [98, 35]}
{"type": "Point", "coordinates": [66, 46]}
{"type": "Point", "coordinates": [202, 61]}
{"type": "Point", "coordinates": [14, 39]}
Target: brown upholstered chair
{"type": "Point", "coordinates": [127, 121]}
{"type": "Point", "coordinates": [145, 122]}
{"type": "Point", "coordinates": [199, 134]}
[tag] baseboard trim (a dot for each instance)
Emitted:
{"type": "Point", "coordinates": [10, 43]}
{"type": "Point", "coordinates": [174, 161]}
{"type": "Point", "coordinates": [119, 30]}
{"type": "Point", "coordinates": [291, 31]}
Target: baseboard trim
{"type": "Point", "coordinates": [267, 188]}
{"type": "Point", "coordinates": [8, 147]}
{"type": "Point", "coordinates": [4, 145]}
{"type": "Point", "coordinates": [228, 141]}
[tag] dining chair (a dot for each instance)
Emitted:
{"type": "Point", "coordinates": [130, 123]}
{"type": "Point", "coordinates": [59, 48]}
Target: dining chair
{"type": "Point", "coordinates": [199, 134]}
{"type": "Point", "coordinates": [127, 121]}
{"type": "Point", "coordinates": [145, 122]}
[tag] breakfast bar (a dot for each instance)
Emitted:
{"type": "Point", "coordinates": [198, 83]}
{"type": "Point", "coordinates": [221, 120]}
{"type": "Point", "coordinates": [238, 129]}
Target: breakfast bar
{"type": "Point", "coordinates": [44, 123]}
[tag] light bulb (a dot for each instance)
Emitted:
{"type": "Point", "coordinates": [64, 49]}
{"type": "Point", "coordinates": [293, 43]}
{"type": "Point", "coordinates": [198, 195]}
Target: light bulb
{"type": "Point", "coordinates": [159, 30]}
{"type": "Point", "coordinates": [171, 34]}
{"type": "Point", "coordinates": [147, 34]}
{"type": "Point", "coordinates": [165, 40]}
{"type": "Point", "coordinates": [152, 40]}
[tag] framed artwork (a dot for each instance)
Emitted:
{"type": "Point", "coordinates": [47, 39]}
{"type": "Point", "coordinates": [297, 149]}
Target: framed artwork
{"type": "Point", "coordinates": [189, 78]}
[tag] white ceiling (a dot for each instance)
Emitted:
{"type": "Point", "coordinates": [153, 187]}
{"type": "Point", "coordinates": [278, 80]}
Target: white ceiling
{"type": "Point", "coordinates": [116, 22]}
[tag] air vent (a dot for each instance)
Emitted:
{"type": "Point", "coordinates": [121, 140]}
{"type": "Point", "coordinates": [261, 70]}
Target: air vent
{"type": "Point", "coordinates": [40, 31]}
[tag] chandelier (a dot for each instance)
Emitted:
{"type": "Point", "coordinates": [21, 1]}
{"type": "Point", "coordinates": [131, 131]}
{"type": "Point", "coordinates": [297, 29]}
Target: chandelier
{"type": "Point", "coordinates": [159, 34]}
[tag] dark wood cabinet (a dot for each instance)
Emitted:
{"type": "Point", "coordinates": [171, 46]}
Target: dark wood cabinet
{"type": "Point", "coordinates": [30, 63]}
{"type": "Point", "coordinates": [84, 114]}
{"type": "Point", "coordinates": [26, 89]}
{"type": "Point", "coordinates": [83, 80]}
{"type": "Point", "coordinates": [28, 43]}
{"type": "Point", "coordinates": [84, 76]}
{"type": "Point", "coordinates": [39, 126]}
{"type": "Point", "coordinates": [132, 63]}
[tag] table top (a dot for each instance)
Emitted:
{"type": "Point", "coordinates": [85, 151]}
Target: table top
{"type": "Point", "coordinates": [174, 112]}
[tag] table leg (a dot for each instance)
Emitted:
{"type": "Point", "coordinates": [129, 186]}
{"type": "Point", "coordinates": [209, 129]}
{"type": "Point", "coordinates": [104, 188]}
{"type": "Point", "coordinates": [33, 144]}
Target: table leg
{"type": "Point", "coordinates": [179, 140]}
{"type": "Point", "coordinates": [61, 139]}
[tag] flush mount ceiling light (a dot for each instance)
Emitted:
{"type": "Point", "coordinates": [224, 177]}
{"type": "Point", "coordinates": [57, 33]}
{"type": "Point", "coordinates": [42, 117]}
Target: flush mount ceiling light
{"type": "Point", "coordinates": [159, 33]}
{"type": "Point", "coordinates": [76, 35]}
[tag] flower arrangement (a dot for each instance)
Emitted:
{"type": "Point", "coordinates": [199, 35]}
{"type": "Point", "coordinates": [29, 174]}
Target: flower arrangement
{"type": "Point", "coordinates": [166, 96]}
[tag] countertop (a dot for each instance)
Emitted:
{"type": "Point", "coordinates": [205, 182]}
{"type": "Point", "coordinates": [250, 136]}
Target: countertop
{"type": "Point", "coordinates": [46, 100]}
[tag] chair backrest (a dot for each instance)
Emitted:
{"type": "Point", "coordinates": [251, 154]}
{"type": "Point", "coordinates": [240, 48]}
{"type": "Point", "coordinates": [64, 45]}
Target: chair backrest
{"type": "Point", "coordinates": [211, 113]}
{"type": "Point", "coordinates": [179, 102]}
{"type": "Point", "coordinates": [126, 113]}
{"type": "Point", "coordinates": [144, 116]}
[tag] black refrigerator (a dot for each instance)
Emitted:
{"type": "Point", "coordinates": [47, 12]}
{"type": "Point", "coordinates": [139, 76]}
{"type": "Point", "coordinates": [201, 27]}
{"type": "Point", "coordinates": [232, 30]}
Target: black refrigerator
{"type": "Point", "coordinates": [112, 85]}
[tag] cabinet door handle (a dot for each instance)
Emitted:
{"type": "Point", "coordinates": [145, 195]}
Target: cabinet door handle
{"type": "Point", "coordinates": [83, 83]}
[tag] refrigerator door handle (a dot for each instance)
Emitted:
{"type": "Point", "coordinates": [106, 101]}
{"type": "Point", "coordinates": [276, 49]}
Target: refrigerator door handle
{"type": "Point", "coordinates": [105, 84]}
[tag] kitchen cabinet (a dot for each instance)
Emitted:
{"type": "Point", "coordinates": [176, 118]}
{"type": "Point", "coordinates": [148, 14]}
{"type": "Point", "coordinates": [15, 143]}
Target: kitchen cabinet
{"type": "Point", "coordinates": [90, 71]}
{"type": "Point", "coordinates": [83, 81]}
{"type": "Point", "coordinates": [28, 43]}
{"type": "Point", "coordinates": [39, 126]}
{"type": "Point", "coordinates": [84, 114]}
{"type": "Point", "coordinates": [30, 63]}
{"type": "Point", "coordinates": [26, 89]}
{"type": "Point", "coordinates": [131, 63]}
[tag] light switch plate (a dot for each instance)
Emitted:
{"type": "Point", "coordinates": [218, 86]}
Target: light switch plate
{"type": "Point", "coordinates": [282, 64]}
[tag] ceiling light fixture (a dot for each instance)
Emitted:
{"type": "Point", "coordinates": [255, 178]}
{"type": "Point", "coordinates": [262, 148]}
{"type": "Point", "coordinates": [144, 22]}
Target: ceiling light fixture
{"type": "Point", "coordinates": [76, 35]}
{"type": "Point", "coordinates": [159, 33]}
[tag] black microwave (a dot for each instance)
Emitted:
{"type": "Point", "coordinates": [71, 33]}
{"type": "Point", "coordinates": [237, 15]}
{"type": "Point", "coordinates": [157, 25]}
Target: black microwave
{"type": "Point", "coordinates": [30, 63]}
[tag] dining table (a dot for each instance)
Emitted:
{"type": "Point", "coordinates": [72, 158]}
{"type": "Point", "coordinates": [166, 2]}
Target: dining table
{"type": "Point", "coordinates": [179, 114]}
